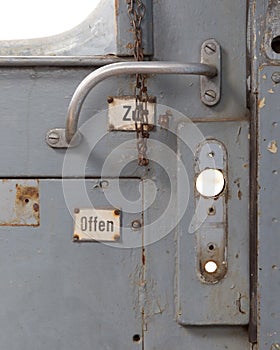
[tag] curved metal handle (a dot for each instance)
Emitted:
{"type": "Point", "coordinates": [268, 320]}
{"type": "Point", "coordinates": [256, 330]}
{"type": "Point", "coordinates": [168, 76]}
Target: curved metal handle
{"type": "Point", "coordinates": [64, 137]}
{"type": "Point", "coordinates": [126, 68]}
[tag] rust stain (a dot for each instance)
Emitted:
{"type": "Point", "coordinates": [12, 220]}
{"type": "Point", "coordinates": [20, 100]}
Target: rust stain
{"type": "Point", "coordinates": [272, 146]}
{"type": "Point", "coordinates": [143, 257]}
{"type": "Point", "coordinates": [26, 204]}
{"type": "Point", "coordinates": [239, 195]}
{"type": "Point", "coordinates": [116, 237]}
{"type": "Point", "coordinates": [129, 46]}
{"type": "Point", "coordinates": [117, 6]}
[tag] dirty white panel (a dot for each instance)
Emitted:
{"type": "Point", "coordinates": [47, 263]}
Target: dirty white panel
{"type": "Point", "coordinates": [97, 224]}
{"type": "Point", "coordinates": [19, 205]}
{"type": "Point", "coordinates": [122, 113]}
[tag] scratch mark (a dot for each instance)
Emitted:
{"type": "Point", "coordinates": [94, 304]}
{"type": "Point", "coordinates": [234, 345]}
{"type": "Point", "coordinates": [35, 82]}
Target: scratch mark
{"type": "Point", "coordinates": [238, 134]}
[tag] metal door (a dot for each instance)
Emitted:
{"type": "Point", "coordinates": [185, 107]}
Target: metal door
{"type": "Point", "coordinates": [99, 252]}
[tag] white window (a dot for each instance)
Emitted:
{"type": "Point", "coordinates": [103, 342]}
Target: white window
{"type": "Point", "coordinates": [29, 19]}
{"type": "Point", "coordinates": [57, 28]}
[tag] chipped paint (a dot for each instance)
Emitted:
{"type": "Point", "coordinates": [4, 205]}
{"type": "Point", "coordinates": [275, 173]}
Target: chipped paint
{"type": "Point", "coordinates": [271, 91]}
{"type": "Point", "coordinates": [272, 146]}
{"type": "Point", "coordinates": [261, 103]}
{"type": "Point", "coordinates": [19, 203]}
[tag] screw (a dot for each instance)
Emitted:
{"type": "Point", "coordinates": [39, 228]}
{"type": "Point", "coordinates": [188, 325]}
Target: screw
{"type": "Point", "coordinates": [117, 212]}
{"type": "Point", "coordinates": [275, 347]}
{"type": "Point", "coordinates": [110, 99]}
{"type": "Point", "coordinates": [210, 48]}
{"type": "Point", "coordinates": [76, 210]}
{"type": "Point", "coordinates": [276, 77]}
{"type": "Point", "coordinates": [53, 137]}
{"type": "Point", "coordinates": [76, 237]}
{"type": "Point", "coordinates": [210, 95]}
{"type": "Point", "coordinates": [136, 225]}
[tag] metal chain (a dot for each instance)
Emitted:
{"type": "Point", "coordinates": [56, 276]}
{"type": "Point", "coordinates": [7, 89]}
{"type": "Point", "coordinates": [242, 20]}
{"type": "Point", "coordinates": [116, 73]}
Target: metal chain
{"type": "Point", "coordinates": [136, 13]}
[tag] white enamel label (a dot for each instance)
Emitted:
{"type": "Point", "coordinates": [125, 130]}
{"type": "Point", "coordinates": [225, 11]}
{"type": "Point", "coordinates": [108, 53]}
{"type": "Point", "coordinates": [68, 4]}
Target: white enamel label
{"type": "Point", "coordinates": [96, 225]}
{"type": "Point", "coordinates": [122, 113]}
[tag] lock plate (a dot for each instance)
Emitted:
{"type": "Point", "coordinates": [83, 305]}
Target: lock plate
{"type": "Point", "coordinates": [220, 297]}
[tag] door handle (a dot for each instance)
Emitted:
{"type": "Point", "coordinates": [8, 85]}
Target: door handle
{"type": "Point", "coordinates": [209, 69]}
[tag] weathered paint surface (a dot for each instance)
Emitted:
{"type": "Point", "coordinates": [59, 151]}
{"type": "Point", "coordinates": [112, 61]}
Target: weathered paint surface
{"type": "Point", "coordinates": [20, 204]}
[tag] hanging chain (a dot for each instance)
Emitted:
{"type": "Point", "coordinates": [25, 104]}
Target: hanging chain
{"type": "Point", "coordinates": [136, 13]}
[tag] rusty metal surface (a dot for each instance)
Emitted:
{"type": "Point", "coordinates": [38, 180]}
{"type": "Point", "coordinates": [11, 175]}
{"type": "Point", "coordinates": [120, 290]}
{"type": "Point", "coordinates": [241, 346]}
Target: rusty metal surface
{"type": "Point", "coordinates": [20, 204]}
{"type": "Point", "coordinates": [124, 33]}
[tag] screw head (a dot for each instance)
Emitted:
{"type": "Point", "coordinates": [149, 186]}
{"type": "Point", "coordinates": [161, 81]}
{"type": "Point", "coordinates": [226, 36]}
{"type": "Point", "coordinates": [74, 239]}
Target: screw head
{"type": "Point", "coordinates": [210, 48]}
{"type": "Point", "coordinates": [117, 212]}
{"type": "Point", "coordinates": [136, 225]}
{"type": "Point", "coordinates": [110, 99]}
{"type": "Point", "coordinates": [53, 137]}
{"type": "Point", "coordinates": [210, 95]}
{"type": "Point", "coordinates": [276, 77]}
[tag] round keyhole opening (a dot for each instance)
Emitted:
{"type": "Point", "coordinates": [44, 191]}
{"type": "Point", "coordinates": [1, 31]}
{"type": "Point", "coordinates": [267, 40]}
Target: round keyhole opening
{"type": "Point", "coordinates": [211, 266]}
{"type": "Point", "coordinates": [210, 182]}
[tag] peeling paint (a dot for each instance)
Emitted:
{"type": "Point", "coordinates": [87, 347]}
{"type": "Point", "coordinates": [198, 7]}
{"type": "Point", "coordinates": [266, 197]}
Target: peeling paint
{"type": "Point", "coordinates": [272, 146]}
{"type": "Point", "coordinates": [19, 203]}
{"type": "Point", "coordinates": [261, 103]}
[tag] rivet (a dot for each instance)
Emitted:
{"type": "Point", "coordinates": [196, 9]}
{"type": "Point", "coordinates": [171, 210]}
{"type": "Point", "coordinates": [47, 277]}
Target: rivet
{"type": "Point", "coordinates": [136, 225]}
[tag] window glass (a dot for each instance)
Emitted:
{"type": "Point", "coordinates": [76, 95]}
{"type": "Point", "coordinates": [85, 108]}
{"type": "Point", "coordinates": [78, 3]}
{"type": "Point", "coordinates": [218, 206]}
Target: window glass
{"type": "Point", "coordinates": [28, 19]}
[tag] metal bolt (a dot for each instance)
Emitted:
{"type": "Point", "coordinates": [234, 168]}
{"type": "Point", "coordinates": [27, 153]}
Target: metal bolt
{"type": "Point", "coordinates": [276, 77]}
{"type": "Point", "coordinates": [275, 347]}
{"type": "Point", "coordinates": [110, 99]}
{"type": "Point", "coordinates": [210, 95]}
{"type": "Point", "coordinates": [53, 138]}
{"type": "Point", "coordinates": [136, 225]}
{"type": "Point", "coordinates": [210, 48]}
